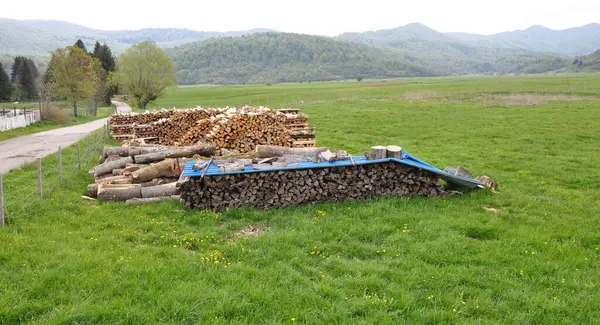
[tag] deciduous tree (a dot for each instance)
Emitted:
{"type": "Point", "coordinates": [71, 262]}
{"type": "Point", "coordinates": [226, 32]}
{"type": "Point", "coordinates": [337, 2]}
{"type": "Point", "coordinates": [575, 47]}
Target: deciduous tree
{"type": "Point", "coordinates": [144, 71]}
{"type": "Point", "coordinates": [73, 75]}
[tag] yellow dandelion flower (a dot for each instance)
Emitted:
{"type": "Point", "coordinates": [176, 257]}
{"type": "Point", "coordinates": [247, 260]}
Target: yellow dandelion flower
{"type": "Point", "coordinates": [293, 319]}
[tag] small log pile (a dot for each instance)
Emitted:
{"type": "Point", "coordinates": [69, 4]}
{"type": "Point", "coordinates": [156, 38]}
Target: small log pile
{"type": "Point", "coordinates": [235, 129]}
{"type": "Point", "coordinates": [278, 189]}
{"type": "Point", "coordinates": [142, 174]}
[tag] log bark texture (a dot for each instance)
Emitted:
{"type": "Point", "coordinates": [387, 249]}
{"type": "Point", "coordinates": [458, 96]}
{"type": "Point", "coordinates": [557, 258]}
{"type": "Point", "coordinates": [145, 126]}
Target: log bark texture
{"type": "Point", "coordinates": [114, 192]}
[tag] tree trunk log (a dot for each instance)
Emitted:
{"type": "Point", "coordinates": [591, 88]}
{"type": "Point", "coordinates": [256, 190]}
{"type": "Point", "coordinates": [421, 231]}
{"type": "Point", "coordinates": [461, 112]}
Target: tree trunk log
{"type": "Point", "coordinates": [265, 151]}
{"type": "Point", "coordinates": [379, 152]}
{"type": "Point", "coordinates": [92, 190]}
{"type": "Point", "coordinates": [159, 190]}
{"type": "Point", "coordinates": [108, 167]}
{"type": "Point", "coordinates": [165, 168]}
{"type": "Point", "coordinates": [394, 152]}
{"type": "Point", "coordinates": [150, 157]}
{"type": "Point", "coordinates": [118, 192]}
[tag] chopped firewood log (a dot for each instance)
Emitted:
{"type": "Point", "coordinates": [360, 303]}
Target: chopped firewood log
{"type": "Point", "coordinates": [108, 167]}
{"type": "Point", "coordinates": [379, 152]}
{"type": "Point", "coordinates": [165, 168]}
{"type": "Point", "coordinates": [92, 190]}
{"type": "Point", "coordinates": [266, 151]}
{"type": "Point", "coordinates": [119, 192]}
{"type": "Point", "coordinates": [394, 152]}
{"type": "Point", "coordinates": [159, 190]}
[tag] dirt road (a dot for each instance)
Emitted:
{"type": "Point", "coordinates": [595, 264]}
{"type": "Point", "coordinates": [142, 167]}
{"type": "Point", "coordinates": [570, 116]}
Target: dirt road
{"type": "Point", "coordinates": [18, 151]}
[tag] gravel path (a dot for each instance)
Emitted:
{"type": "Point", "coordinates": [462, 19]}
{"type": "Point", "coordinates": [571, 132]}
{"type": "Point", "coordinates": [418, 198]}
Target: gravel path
{"type": "Point", "coordinates": [21, 150]}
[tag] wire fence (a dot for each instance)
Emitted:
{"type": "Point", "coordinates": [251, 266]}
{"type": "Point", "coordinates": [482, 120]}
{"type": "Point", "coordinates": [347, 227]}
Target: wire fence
{"type": "Point", "coordinates": [23, 189]}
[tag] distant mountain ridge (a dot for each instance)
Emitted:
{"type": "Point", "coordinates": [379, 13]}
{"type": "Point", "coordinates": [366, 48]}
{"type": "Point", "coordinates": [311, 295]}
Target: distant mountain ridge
{"type": "Point", "coordinates": [410, 50]}
{"type": "Point", "coordinates": [571, 41]}
{"type": "Point", "coordinates": [44, 36]}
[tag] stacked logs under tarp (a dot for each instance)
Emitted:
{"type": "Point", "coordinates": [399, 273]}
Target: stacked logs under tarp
{"type": "Point", "coordinates": [142, 174]}
{"type": "Point", "coordinates": [284, 188]}
{"type": "Point", "coordinates": [236, 129]}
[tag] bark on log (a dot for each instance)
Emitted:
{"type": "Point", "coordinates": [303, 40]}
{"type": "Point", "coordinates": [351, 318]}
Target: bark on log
{"type": "Point", "coordinates": [114, 180]}
{"type": "Point", "coordinates": [108, 167]}
{"type": "Point", "coordinates": [165, 168]}
{"type": "Point", "coordinates": [92, 190]}
{"type": "Point", "coordinates": [118, 172]}
{"type": "Point", "coordinates": [159, 190]}
{"type": "Point", "coordinates": [265, 151]}
{"type": "Point", "coordinates": [114, 192]}
{"type": "Point", "coordinates": [138, 201]}
{"type": "Point", "coordinates": [394, 152]}
{"type": "Point", "coordinates": [379, 152]}
{"type": "Point", "coordinates": [150, 157]}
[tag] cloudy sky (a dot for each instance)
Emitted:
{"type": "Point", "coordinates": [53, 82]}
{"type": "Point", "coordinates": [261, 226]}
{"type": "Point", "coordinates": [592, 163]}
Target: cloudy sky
{"type": "Point", "coordinates": [321, 17]}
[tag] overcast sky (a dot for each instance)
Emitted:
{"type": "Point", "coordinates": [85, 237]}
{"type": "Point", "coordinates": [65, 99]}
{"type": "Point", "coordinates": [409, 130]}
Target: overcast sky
{"type": "Point", "coordinates": [321, 17]}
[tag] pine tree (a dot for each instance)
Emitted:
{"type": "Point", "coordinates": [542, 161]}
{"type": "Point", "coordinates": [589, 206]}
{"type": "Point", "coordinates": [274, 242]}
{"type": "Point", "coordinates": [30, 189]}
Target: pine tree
{"type": "Point", "coordinates": [104, 54]}
{"type": "Point", "coordinates": [97, 48]}
{"type": "Point", "coordinates": [5, 89]}
{"type": "Point", "coordinates": [80, 45]}
{"type": "Point", "coordinates": [15, 68]}
{"type": "Point", "coordinates": [25, 80]}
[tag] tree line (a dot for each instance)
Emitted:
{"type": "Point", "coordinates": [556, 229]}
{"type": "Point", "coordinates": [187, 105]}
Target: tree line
{"type": "Point", "coordinates": [74, 75]}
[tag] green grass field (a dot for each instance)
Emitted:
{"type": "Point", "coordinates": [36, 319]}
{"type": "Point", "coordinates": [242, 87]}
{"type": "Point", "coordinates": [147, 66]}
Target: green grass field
{"type": "Point", "coordinates": [386, 261]}
{"type": "Point", "coordinates": [50, 125]}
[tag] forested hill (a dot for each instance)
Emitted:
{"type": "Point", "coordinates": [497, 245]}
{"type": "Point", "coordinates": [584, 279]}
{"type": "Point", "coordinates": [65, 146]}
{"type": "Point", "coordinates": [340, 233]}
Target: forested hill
{"type": "Point", "coordinates": [283, 57]}
{"type": "Point", "coordinates": [450, 56]}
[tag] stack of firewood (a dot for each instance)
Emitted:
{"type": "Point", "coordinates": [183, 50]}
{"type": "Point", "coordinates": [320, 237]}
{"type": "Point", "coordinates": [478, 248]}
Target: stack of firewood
{"type": "Point", "coordinates": [293, 187]}
{"type": "Point", "coordinates": [270, 188]}
{"type": "Point", "coordinates": [140, 174]}
{"type": "Point", "coordinates": [236, 129]}
{"type": "Point", "coordinates": [173, 129]}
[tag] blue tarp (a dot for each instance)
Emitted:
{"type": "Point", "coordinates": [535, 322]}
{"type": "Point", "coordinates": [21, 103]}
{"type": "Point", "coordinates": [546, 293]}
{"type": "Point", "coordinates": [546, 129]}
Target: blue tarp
{"type": "Point", "coordinates": [407, 159]}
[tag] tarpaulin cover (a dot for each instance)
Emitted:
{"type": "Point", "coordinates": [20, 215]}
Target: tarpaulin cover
{"type": "Point", "coordinates": [407, 159]}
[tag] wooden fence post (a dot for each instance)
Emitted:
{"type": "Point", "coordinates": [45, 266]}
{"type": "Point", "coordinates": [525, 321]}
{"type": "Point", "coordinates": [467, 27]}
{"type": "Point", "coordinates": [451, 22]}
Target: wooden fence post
{"type": "Point", "coordinates": [60, 178]}
{"type": "Point", "coordinates": [1, 201]}
{"type": "Point", "coordinates": [78, 158]}
{"type": "Point", "coordinates": [88, 149]}
{"type": "Point", "coordinates": [39, 177]}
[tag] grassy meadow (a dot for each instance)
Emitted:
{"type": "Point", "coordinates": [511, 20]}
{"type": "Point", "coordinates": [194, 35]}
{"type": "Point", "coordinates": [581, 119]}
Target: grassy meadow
{"type": "Point", "coordinates": [534, 259]}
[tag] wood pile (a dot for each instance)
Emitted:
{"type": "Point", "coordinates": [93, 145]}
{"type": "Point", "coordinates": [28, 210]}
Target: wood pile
{"type": "Point", "coordinates": [142, 173]}
{"type": "Point", "coordinates": [235, 129]}
{"type": "Point", "coordinates": [278, 189]}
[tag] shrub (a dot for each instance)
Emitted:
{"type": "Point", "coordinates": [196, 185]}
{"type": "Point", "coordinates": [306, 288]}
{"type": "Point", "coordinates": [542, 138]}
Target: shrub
{"type": "Point", "coordinates": [54, 114]}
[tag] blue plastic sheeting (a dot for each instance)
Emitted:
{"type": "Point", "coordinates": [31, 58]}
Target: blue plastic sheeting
{"type": "Point", "coordinates": [407, 159]}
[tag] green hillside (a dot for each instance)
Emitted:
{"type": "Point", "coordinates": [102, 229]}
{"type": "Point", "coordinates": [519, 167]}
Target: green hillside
{"type": "Point", "coordinates": [282, 57]}
{"type": "Point", "coordinates": [450, 56]}
{"type": "Point", "coordinates": [571, 41]}
{"type": "Point", "coordinates": [586, 63]}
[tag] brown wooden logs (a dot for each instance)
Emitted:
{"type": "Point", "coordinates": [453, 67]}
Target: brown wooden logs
{"type": "Point", "coordinates": [165, 168]}
{"type": "Point", "coordinates": [267, 151]}
{"type": "Point", "coordinates": [159, 190]}
{"type": "Point", "coordinates": [379, 152]}
{"type": "Point", "coordinates": [92, 190]}
{"type": "Point", "coordinates": [108, 166]}
{"type": "Point", "coordinates": [119, 192]}
{"type": "Point", "coordinates": [394, 152]}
